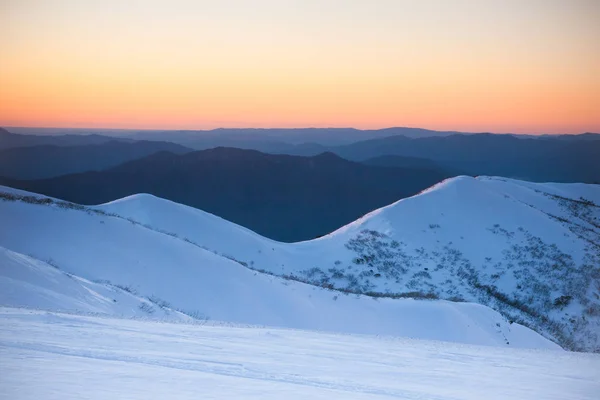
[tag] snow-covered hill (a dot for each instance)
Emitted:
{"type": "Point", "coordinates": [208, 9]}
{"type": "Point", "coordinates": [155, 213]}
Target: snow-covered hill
{"type": "Point", "coordinates": [530, 251]}
{"type": "Point", "coordinates": [200, 286]}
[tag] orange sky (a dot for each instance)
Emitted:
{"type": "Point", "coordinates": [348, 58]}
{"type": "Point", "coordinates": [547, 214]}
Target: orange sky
{"type": "Point", "coordinates": [502, 66]}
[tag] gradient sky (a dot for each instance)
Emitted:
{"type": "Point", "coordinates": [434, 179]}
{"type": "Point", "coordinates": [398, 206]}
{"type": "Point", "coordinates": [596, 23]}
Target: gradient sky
{"type": "Point", "coordinates": [530, 66]}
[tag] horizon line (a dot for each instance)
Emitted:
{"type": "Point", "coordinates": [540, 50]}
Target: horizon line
{"type": "Point", "coordinates": [7, 127]}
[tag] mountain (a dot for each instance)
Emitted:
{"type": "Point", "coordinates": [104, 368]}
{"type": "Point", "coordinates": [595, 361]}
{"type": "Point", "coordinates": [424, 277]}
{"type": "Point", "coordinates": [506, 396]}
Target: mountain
{"type": "Point", "coordinates": [282, 197]}
{"type": "Point", "coordinates": [154, 312]}
{"type": "Point", "coordinates": [402, 162]}
{"type": "Point", "coordinates": [120, 262]}
{"type": "Point", "coordinates": [588, 136]}
{"type": "Point", "coordinates": [45, 161]}
{"type": "Point", "coordinates": [529, 251]}
{"type": "Point", "coordinates": [10, 140]}
{"type": "Point", "coordinates": [541, 160]}
{"type": "Point", "coordinates": [257, 138]}
{"type": "Point", "coordinates": [544, 158]}
{"type": "Point", "coordinates": [410, 162]}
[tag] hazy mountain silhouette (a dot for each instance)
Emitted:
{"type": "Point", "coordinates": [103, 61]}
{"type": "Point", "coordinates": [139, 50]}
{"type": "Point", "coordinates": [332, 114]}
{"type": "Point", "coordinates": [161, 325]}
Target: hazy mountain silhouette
{"type": "Point", "coordinates": [401, 161]}
{"type": "Point", "coordinates": [573, 159]}
{"type": "Point", "coordinates": [283, 197]}
{"type": "Point", "coordinates": [275, 140]}
{"type": "Point", "coordinates": [580, 137]}
{"type": "Point", "coordinates": [559, 158]}
{"type": "Point", "coordinates": [45, 161]}
{"type": "Point", "coordinates": [11, 140]}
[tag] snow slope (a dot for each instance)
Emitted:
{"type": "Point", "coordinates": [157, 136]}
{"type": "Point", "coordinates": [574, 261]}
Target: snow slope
{"type": "Point", "coordinates": [175, 274]}
{"type": "Point", "coordinates": [27, 282]}
{"type": "Point", "coordinates": [528, 250]}
{"type": "Point", "coordinates": [56, 356]}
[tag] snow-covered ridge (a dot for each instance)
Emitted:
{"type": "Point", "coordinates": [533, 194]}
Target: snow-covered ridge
{"type": "Point", "coordinates": [527, 250]}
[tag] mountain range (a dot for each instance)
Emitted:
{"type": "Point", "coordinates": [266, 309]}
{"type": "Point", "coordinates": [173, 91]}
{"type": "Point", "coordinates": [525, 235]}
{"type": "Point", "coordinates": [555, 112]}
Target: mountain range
{"type": "Point", "coordinates": [239, 137]}
{"type": "Point", "coordinates": [286, 198]}
{"type": "Point", "coordinates": [9, 140]}
{"type": "Point", "coordinates": [541, 160]}
{"type": "Point", "coordinates": [47, 161]}
{"type": "Point", "coordinates": [559, 158]}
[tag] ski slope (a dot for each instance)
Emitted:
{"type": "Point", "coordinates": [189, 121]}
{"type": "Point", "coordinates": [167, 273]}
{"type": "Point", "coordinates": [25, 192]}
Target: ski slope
{"type": "Point", "coordinates": [501, 243]}
{"type": "Point", "coordinates": [57, 356]}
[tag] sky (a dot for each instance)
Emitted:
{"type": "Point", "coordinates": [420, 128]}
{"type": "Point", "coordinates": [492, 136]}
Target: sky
{"type": "Point", "coordinates": [522, 66]}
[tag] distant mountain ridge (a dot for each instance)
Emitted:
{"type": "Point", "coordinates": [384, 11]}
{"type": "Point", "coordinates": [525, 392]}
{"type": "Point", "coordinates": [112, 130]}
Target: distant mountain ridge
{"type": "Point", "coordinates": [541, 160]}
{"type": "Point", "coordinates": [400, 161]}
{"type": "Point", "coordinates": [10, 140]}
{"type": "Point", "coordinates": [236, 137]}
{"type": "Point", "coordinates": [546, 158]}
{"type": "Point", "coordinates": [294, 141]}
{"type": "Point", "coordinates": [46, 161]}
{"type": "Point", "coordinates": [284, 197]}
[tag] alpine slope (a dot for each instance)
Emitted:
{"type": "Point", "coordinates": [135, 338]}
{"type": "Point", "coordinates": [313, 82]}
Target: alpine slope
{"type": "Point", "coordinates": [473, 260]}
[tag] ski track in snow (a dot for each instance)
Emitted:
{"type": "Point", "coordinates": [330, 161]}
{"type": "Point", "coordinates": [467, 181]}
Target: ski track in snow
{"type": "Point", "coordinates": [70, 356]}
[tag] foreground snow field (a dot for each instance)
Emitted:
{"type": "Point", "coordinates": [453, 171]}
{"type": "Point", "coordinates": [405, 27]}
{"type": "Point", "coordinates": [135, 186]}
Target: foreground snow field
{"type": "Point", "coordinates": [46, 355]}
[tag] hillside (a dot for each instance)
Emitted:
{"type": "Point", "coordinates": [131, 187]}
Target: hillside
{"type": "Point", "coordinates": [46, 161]}
{"type": "Point", "coordinates": [529, 251]}
{"type": "Point", "coordinates": [282, 197]}
{"type": "Point", "coordinates": [123, 268]}
{"type": "Point", "coordinates": [29, 283]}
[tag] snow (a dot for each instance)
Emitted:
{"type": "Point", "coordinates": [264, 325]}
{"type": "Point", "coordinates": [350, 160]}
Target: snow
{"type": "Point", "coordinates": [27, 282]}
{"type": "Point", "coordinates": [464, 208]}
{"type": "Point", "coordinates": [57, 356]}
{"type": "Point", "coordinates": [185, 257]}
{"type": "Point", "coordinates": [146, 298]}
{"type": "Point", "coordinates": [231, 293]}
{"type": "Point", "coordinates": [498, 227]}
